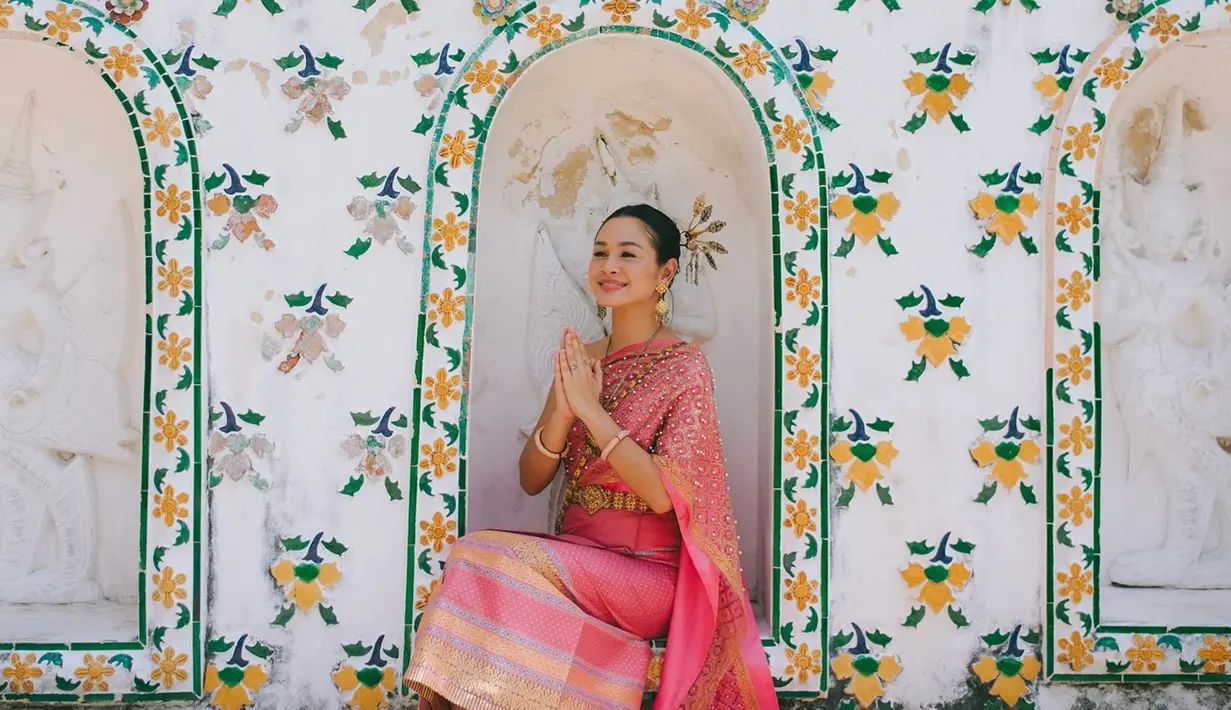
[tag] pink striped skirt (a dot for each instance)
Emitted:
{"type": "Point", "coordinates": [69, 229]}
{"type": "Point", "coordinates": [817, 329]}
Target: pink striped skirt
{"type": "Point", "coordinates": [530, 621]}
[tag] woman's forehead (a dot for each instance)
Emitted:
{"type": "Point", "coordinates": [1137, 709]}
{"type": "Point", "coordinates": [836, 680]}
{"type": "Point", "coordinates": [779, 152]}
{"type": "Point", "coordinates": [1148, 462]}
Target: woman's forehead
{"type": "Point", "coordinates": [623, 230]}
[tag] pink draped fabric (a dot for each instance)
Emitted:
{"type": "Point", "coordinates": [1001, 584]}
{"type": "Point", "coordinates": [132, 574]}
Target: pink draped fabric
{"type": "Point", "coordinates": [523, 620]}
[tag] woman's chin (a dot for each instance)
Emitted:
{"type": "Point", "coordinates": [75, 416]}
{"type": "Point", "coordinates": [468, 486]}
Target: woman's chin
{"type": "Point", "coordinates": [613, 304]}
{"type": "Point", "coordinates": [618, 298]}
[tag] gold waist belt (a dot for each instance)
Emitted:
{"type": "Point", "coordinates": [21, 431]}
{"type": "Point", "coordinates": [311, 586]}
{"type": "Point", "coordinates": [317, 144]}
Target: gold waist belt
{"type": "Point", "coordinates": [596, 498]}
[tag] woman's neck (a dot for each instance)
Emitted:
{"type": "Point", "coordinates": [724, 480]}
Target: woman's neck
{"type": "Point", "coordinates": [630, 326]}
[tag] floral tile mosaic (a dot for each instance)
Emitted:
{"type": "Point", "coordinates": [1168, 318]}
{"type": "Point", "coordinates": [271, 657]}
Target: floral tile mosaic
{"type": "Point", "coordinates": [306, 575]}
{"type": "Point", "coordinates": [867, 211]}
{"type": "Point", "coordinates": [985, 5]}
{"type": "Point", "coordinates": [367, 679]}
{"type": "Point", "coordinates": [382, 443]}
{"type": "Point", "coordinates": [938, 572]}
{"type": "Point", "coordinates": [165, 658]}
{"type": "Point", "coordinates": [1057, 67]}
{"type": "Point", "coordinates": [940, 88]}
{"type": "Point", "coordinates": [863, 452]}
{"type": "Point", "coordinates": [316, 85]}
{"type": "Point", "coordinates": [237, 672]}
{"type": "Point", "coordinates": [864, 666]}
{"type": "Point", "coordinates": [311, 328]}
{"type": "Point", "coordinates": [776, 95]}
{"type": "Point", "coordinates": [1003, 207]}
{"type": "Point", "coordinates": [242, 205]}
{"type": "Point", "coordinates": [812, 69]}
{"type": "Point", "coordinates": [937, 329]}
{"type": "Point", "coordinates": [890, 5]}
{"type": "Point", "coordinates": [385, 213]}
{"type": "Point", "coordinates": [1004, 451]}
{"type": "Point", "coordinates": [1077, 644]}
{"type": "Point", "coordinates": [1009, 666]}
{"type": "Point", "coordinates": [237, 449]}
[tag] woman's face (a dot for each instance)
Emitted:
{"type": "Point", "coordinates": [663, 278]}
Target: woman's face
{"type": "Point", "coordinates": [624, 267]}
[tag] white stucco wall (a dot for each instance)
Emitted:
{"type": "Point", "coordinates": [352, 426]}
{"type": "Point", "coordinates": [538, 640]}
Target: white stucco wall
{"type": "Point", "coordinates": [677, 123]}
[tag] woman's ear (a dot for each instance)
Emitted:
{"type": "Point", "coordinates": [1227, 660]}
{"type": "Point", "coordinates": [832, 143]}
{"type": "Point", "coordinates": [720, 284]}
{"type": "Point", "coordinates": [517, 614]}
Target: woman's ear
{"type": "Point", "coordinates": [670, 270]}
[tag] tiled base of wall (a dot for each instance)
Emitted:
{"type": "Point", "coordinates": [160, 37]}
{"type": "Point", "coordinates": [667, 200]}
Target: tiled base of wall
{"type": "Point", "coordinates": [1069, 697]}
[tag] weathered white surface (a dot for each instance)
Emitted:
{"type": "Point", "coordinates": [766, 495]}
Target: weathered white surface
{"type": "Point", "coordinates": [49, 623]}
{"type": "Point", "coordinates": [1132, 697]}
{"type": "Point", "coordinates": [1121, 606]}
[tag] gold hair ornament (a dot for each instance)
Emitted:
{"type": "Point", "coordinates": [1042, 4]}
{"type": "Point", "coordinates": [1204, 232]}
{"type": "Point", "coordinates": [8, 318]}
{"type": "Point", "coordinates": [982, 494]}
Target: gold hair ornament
{"type": "Point", "coordinates": [691, 238]}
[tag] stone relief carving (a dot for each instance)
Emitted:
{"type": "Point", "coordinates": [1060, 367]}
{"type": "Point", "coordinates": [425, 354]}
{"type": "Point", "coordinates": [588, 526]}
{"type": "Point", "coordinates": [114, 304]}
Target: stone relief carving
{"type": "Point", "coordinates": [560, 296]}
{"type": "Point", "coordinates": [1165, 329]}
{"type": "Point", "coordinates": [62, 391]}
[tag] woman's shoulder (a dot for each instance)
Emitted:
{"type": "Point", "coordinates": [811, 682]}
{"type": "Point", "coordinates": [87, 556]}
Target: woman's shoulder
{"type": "Point", "coordinates": [690, 360]}
{"type": "Point", "coordinates": [692, 351]}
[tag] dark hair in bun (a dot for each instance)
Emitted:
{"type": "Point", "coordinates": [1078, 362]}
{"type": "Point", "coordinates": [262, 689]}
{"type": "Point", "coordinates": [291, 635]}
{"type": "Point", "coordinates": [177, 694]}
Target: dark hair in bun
{"type": "Point", "coordinates": [663, 231]}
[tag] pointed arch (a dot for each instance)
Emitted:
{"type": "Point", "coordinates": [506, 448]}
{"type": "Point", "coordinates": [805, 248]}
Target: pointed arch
{"type": "Point", "coordinates": [790, 132]}
{"type": "Point", "coordinates": [171, 300]}
{"type": "Point", "coordinates": [1073, 626]}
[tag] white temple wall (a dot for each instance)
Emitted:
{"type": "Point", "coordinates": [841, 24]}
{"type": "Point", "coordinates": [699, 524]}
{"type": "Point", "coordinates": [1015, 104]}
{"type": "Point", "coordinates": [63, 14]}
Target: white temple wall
{"type": "Point", "coordinates": [308, 143]}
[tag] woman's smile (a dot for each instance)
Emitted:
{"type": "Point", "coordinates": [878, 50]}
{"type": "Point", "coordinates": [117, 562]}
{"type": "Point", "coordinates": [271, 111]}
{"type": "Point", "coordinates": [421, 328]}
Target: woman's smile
{"type": "Point", "coordinates": [610, 286]}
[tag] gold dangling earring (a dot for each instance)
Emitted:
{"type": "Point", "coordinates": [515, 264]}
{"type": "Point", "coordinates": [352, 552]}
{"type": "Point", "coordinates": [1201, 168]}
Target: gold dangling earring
{"type": "Point", "coordinates": [661, 307]}
{"type": "Point", "coordinates": [601, 311]}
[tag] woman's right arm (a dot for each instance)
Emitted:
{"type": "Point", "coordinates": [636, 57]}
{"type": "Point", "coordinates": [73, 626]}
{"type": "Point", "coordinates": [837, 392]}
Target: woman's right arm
{"type": "Point", "coordinates": [537, 469]}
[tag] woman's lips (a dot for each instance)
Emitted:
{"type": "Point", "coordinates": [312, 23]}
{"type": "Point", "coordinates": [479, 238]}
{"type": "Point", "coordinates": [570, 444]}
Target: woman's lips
{"type": "Point", "coordinates": [609, 286]}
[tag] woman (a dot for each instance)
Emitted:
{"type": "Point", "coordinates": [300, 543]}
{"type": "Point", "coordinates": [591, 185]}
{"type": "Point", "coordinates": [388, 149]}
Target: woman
{"type": "Point", "coordinates": [646, 545]}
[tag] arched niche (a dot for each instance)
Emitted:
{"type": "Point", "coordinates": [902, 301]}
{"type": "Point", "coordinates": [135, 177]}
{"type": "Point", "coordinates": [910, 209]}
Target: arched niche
{"type": "Point", "coordinates": [71, 346]}
{"type": "Point", "coordinates": [100, 433]}
{"type": "Point", "coordinates": [696, 120]}
{"type": "Point", "coordinates": [671, 120]}
{"type": "Point", "coordinates": [1135, 522]}
{"type": "Point", "coordinates": [1137, 398]}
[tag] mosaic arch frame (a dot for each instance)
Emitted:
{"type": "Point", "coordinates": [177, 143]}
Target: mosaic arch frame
{"type": "Point", "coordinates": [171, 539]}
{"type": "Point", "coordinates": [798, 616]}
{"type": "Point", "coordinates": [1079, 646]}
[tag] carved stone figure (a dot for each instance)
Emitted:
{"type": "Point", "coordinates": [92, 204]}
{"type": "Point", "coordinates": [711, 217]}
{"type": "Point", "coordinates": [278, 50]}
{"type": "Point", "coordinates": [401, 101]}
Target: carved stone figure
{"type": "Point", "coordinates": [560, 296]}
{"type": "Point", "coordinates": [22, 211]}
{"type": "Point", "coordinates": [62, 396]}
{"type": "Point", "coordinates": [1165, 331]}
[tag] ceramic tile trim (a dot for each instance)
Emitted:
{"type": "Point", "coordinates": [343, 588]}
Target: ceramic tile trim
{"type": "Point", "coordinates": [800, 248]}
{"type": "Point", "coordinates": [173, 259]}
{"type": "Point", "coordinates": [1078, 646]}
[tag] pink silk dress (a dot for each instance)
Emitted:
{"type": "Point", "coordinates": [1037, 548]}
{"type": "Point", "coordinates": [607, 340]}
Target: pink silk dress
{"type": "Point", "coordinates": [524, 620]}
